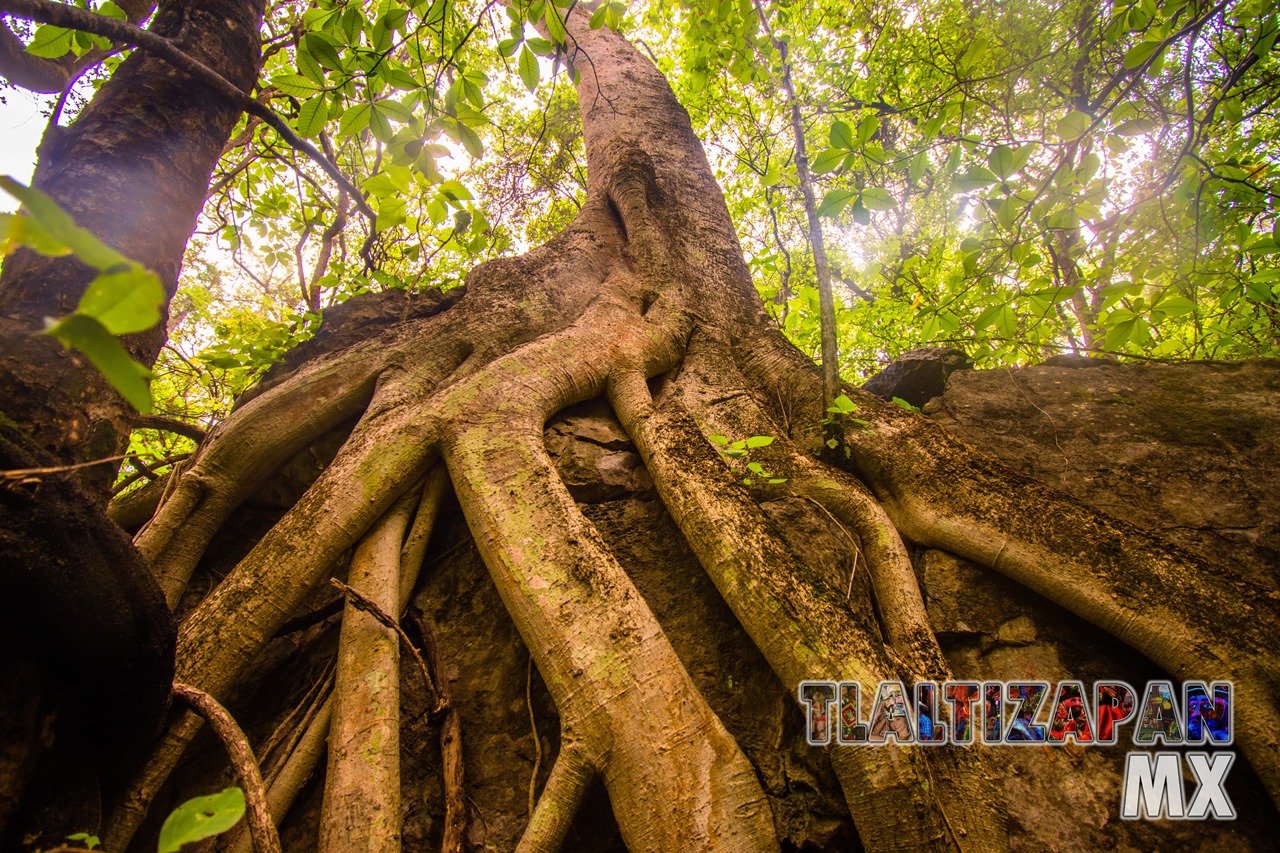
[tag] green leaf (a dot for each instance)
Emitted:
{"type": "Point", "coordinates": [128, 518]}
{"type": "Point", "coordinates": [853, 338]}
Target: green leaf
{"type": "Point", "coordinates": [295, 85]}
{"type": "Point", "coordinates": [835, 201]}
{"type": "Point", "coordinates": [51, 42]}
{"type": "Point", "coordinates": [1023, 155]}
{"type": "Point", "coordinates": [61, 227]}
{"type": "Point", "coordinates": [1118, 334]}
{"type": "Point", "coordinates": [987, 317]}
{"type": "Point", "coordinates": [455, 191]}
{"type": "Point", "coordinates": [541, 46]}
{"type": "Point", "coordinates": [529, 72]}
{"type": "Point", "coordinates": [379, 125]}
{"type": "Point", "coordinates": [111, 10]}
{"type": "Point", "coordinates": [1008, 211]}
{"type": "Point", "coordinates": [323, 48]}
{"type": "Point", "coordinates": [827, 160]}
{"type": "Point", "coordinates": [759, 441]}
{"type": "Point", "coordinates": [124, 302]}
{"type": "Point", "coordinates": [867, 128]}
{"type": "Point", "coordinates": [470, 141]}
{"type": "Point", "coordinates": [1001, 161]}
{"type": "Point", "coordinates": [841, 136]}
{"type": "Point", "coordinates": [918, 164]}
{"type": "Point", "coordinates": [18, 230]}
{"type": "Point", "coordinates": [975, 179]}
{"type": "Point", "coordinates": [313, 115]}
{"type": "Point", "coordinates": [976, 50]}
{"type": "Point", "coordinates": [200, 818]}
{"type": "Point", "coordinates": [904, 404]}
{"type": "Point", "coordinates": [84, 333]}
{"type": "Point", "coordinates": [1073, 125]}
{"type": "Point", "coordinates": [354, 120]}
{"type": "Point", "coordinates": [555, 26]}
{"type": "Point", "coordinates": [1140, 53]}
{"type": "Point", "coordinates": [877, 198]}
{"type": "Point", "coordinates": [843, 405]}
{"type": "Point", "coordinates": [598, 16]}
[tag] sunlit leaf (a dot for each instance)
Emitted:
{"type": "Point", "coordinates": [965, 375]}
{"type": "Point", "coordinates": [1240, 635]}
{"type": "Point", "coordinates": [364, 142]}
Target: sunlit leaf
{"type": "Point", "coordinates": [528, 64]}
{"type": "Point", "coordinates": [83, 333]}
{"type": "Point", "coordinates": [201, 818]}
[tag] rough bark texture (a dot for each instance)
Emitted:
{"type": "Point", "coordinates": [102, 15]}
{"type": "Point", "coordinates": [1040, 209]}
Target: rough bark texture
{"type": "Point", "coordinates": [990, 627]}
{"type": "Point", "coordinates": [133, 169]}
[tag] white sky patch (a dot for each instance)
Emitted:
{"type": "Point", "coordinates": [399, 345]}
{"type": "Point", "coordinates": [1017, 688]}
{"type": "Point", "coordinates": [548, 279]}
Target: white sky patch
{"type": "Point", "coordinates": [22, 125]}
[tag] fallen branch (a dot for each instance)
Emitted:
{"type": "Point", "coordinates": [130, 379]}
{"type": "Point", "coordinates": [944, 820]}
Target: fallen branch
{"type": "Point", "coordinates": [265, 837]}
{"type": "Point", "coordinates": [26, 473]}
{"type": "Point", "coordinates": [361, 602]}
{"type": "Point", "coordinates": [455, 806]}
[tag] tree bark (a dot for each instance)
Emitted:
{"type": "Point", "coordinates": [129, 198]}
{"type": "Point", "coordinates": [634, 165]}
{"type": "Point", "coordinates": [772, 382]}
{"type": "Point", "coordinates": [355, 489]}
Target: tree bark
{"type": "Point", "coordinates": [133, 169]}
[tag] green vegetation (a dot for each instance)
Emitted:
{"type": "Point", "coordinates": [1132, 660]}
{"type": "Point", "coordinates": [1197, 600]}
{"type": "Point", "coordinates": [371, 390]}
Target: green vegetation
{"type": "Point", "coordinates": [1015, 180]}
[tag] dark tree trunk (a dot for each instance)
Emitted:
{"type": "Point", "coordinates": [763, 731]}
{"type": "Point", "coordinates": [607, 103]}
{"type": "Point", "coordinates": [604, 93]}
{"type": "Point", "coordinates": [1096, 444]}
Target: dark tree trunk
{"type": "Point", "coordinates": [133, 169]}
{"type": "Point", "coordinates": [81, 612]}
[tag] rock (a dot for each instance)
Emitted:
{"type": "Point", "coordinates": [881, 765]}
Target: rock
{"type": "Point", "coordinates": [918, 375]}
{"type": "Point", "coordinates": [1186, 450]}
{"type": "Point", "coordinates": [593, 454]}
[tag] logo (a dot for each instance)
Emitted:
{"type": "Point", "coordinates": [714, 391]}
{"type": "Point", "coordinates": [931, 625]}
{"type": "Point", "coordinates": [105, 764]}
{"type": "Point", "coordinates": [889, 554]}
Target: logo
{"type": "Point", "coordinates": [1037, 713]}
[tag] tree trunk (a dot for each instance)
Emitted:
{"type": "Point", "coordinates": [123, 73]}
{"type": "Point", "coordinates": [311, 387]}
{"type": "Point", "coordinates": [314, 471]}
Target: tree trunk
{"type": "Point", "coordinates": [645, 301]}
{"type": "Point", "coordinates": [133, 169]}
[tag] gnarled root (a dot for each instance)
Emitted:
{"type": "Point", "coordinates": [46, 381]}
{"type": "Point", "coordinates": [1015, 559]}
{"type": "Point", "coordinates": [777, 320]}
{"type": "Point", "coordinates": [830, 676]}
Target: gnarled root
{"type": "Point", "coordinates": [619, 687]}
{"type": "Point", "coordinates": [802, 625]}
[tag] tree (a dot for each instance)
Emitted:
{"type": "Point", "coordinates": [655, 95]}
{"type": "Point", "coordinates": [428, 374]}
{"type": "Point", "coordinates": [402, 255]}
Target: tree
{"type": "Point", "coordinates": [644, 300]}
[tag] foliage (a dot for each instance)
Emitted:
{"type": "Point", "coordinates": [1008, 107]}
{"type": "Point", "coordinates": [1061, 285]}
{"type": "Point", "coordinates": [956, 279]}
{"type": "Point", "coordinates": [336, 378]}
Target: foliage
{"type": "Point", "coordinates": [1015, 180]}
{"type": "Point", "coordinates": [123, 298]}
{"type": "Point", "coordinates": [200, 818]}
{"type": "Point", "coordinates": [736, 452]}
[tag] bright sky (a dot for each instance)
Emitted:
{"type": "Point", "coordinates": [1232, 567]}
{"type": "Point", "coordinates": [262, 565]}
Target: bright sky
{"type": "Point", "coordinates": [21, 127]}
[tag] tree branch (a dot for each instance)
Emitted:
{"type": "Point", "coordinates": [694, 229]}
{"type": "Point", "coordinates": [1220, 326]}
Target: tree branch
{"type": "Point", "coordinates": [70, 17]}
{"type": "Point", "coordinates": [173, 425]}
{"type": "Point", "coordinates": [265, 837]}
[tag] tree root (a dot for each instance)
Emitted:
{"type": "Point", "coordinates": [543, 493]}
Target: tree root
{"type": "Point", "coordinates": [265, 838]}
{"type": "Point", "coordinates": [294, 765]}
{"type": "Point", "coordinates": [362, 786]}
{"type": "Point", "coordinates": [571, 775]}
{"type": "Point", "coordinates": [1151, 595]}
{"type": "Point", "coordinates": [385, 455]}
{"type": "Point", "coordinates": [801, 625]}
{"type": "Point", "coordinates": [237, 456]}
{"type": "Point", "coordinates": [611, 671]}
